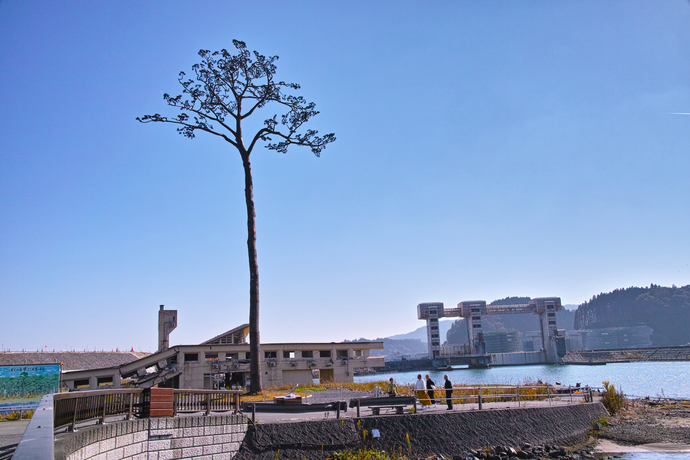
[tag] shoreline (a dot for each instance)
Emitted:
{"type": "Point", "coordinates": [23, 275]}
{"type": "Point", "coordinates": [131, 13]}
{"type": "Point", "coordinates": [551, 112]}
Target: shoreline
{"type": "Point", "coordinates": [645, 426]}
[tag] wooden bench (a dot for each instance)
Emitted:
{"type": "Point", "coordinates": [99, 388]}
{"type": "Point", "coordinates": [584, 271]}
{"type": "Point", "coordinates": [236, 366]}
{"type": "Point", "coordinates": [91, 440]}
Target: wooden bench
{"type": "Point", "coordinates": [376, 404]}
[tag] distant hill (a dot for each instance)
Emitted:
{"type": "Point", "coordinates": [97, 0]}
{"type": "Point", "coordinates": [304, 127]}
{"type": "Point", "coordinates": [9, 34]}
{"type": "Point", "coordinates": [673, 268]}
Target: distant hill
{"type": "Point", "coordinates": [665, 309]}
{"type": "Point", "coordinates": [420, 332]}
{"type": "Point", "coordinates": [397, 347]}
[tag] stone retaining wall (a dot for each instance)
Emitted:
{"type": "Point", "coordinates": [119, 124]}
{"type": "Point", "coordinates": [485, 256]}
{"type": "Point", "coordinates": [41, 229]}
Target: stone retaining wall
{"type": "Point", "coordinates": [207, 438]}
{"type": "Point", "coordinates": [452, 433]}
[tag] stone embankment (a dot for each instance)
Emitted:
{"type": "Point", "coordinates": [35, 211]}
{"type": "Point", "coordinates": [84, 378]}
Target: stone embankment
{"type": "Point", "coordinates": [421, 435]}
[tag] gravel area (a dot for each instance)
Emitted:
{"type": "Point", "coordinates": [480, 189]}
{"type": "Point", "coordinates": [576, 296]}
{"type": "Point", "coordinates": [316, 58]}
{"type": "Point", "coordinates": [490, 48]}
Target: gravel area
{"type": "Point", "coordinates": [648, 422]}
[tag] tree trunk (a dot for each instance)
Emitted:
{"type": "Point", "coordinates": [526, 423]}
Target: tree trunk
{"type": "Point", "coordinates": [254, 341]}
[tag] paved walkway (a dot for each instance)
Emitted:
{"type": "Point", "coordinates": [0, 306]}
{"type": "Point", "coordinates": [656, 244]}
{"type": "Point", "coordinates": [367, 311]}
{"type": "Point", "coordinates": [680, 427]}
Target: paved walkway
{"type": "Point", "coordinates": [10, 435]}
{"type": "Point", "coordinates": [345, 395]}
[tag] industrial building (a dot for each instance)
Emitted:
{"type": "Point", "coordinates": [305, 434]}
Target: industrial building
{"type": "Point", "coordinates": [223, 361]}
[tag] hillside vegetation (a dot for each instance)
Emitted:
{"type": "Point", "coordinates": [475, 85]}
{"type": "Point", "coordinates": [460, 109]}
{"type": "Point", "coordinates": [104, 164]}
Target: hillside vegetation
{"type": "Point", "coordinates": [664, 309]}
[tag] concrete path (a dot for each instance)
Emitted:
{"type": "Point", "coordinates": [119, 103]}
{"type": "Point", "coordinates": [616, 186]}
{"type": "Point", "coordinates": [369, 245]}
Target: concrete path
{"type": "Point", "coordinates": [272, 417]}
{"type": "Point", "coordinates": [10, 435]}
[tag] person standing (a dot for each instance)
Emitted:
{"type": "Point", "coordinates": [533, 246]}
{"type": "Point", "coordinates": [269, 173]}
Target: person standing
{"type": "Point", "coordinates": [449, 392]}
{"type": "Point", "coordinates": [392, 389]}
{"type": "Point", "coordinates": [421, 393]}
{"type": "Point", "coordinates": [430, 389]}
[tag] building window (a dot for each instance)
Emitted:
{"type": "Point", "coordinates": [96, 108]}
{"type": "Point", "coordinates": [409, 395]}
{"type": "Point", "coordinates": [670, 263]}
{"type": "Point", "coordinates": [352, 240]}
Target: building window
{"type": "Point", "coordinates": [307, 354]}
{"type": "Point", "coordinates": [102, 381]}
{"type": "Point", "coordinates": [476, 318]}
{"type": "Point", "coordinates": [231, 356]}
{"type": "Point", "coordinates": [81, 383]}
{"type": "Point", "coordinates": [341, 353]}
{"type": "Point", "coordinates": [211, 356]}
{"type": "Point", "coordinates": [248, 355]}
{"type": "Point", "coordinates": [476, 325]}
{"type": "Point", "coordinates": [325, 354]}
{"type": "Point", "coordinates": [191, 356]}
{"type": "Point", "coordinates": [358, 353]}
{"type": "Point", "coordinates": [270, 354]}
{"type": "Point", "coordinates": [289, 355]}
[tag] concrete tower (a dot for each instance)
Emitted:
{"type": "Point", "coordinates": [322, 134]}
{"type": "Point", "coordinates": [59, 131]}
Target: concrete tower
{"type": "Point", "coordinates": [167, 321]}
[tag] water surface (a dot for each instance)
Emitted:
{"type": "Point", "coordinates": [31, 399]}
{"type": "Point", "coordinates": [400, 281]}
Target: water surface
{"type": "Point", "coordinates": [653, 379]}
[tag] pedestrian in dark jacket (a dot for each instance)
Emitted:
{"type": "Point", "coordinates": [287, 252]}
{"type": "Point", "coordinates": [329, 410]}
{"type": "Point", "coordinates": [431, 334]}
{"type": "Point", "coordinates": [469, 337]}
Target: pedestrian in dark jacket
{"type": "Point", "coordinates": [430, 389]}
{"type": "Point", "coordinates": [449, 392]}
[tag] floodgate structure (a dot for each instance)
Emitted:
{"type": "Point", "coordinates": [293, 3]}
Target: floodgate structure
{"type": "Point", "coordinates": [474, 353]}
{"type": "Point", "coordinates": [223, 361]}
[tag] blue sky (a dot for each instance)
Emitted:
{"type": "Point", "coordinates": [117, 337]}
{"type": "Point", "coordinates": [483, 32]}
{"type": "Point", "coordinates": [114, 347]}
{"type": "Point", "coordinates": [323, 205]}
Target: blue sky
{"type": "Point", "coordinates": [485, 149]}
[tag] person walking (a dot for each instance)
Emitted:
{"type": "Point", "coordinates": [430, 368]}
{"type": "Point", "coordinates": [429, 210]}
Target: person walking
{"type": "Point", "coordinates": [421, 393]}
{"type": "Point", "coordinates": [392, 389]}
{"type": "Point", "coordinates": [449, 392]}
{"type": "Point", "coordinates": [430, 389]}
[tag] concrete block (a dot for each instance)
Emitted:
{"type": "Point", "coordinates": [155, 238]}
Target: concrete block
{"type": "Point", "coordinates": [161, 432]}
{"type": "Point", "coordinates": [166, 455]}
{"type": "Point", "coordinates": [179, 443]}
{"type": "Point", "coordinates": [231, 447]}
{"type": "Point", "coordinates": [203, 440]}
{"type": "Point", "coordinates": [192, 452]}
{"type": "Point", "coordinates": [152, 456]}
{"type": "Point", "coordinates": [192, 432]}
{"type": "Point", "coordinates": [213, 449]}
{"type": "Point", "coordinates": [223, 456]}
{"type": "Point", "coordinates": [204, 457]}
{"type": "Point", "coordinates": [213, 430]}
{"type": "Point", "coordinates": [117, 454]}
{"type": "Point", "coordinates": [91, 450]}
{"type": "Point", "coordinates": [99, 457]}
{"type": "Point", "coordinates": [140, 436]}
{"type": "Point", "coordinates": [132, 450]}
{"type": "Point", "coordinates": [142, 456]}
{"type": "Point", "coordinates": [106, 445]}
{"type": "Point", "coordinates": [222, 438]}
{"type": "Point", "coordinates": [124, 440]}
{"type": "Point", "coordinates": [160, 444]}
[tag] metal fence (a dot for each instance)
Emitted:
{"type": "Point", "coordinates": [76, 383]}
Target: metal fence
{"type": "Point", "coordinates": [80, 406]}
{"type": "Point", "coordinates": [479, 395]}
{"type": "Point", "coordinates": [207, 401]}
{"type": "Point", "coordinates": [76, 407]}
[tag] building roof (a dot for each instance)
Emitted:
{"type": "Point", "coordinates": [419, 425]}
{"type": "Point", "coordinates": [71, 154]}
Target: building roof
{"type": "Point", "coordinates": [233, 336]}
{"type": "Point", "coordinates": [72, 360]}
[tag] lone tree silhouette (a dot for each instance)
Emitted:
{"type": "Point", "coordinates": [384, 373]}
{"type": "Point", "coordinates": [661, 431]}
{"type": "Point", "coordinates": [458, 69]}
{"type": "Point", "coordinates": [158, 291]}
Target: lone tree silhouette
{"type": "Point", "coordinates": [225, 90]}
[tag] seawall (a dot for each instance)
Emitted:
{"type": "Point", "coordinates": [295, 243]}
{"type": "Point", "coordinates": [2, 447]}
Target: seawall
{"type": "Point", "coordinates": [445, 433]}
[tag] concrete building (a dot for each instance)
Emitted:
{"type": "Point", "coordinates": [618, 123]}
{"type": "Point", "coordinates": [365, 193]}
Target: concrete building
{"type": "Point", "coordinates": [552, 339]}
{"type": "Point", "coordinates": [223, 361]}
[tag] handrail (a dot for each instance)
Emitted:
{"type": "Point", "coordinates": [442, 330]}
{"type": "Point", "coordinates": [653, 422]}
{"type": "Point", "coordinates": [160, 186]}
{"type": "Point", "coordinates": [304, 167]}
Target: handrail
{"type": "Point", "coordinates": [80, 406]}
{"type": "Point", "coordinates": [206, 400]}
{"type": "Point", "coordinates": [482, 394]}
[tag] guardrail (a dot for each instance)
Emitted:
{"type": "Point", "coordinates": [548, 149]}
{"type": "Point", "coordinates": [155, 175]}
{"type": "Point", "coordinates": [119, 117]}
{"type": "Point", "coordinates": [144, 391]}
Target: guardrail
{"type": "Point", "coordinates": [81, 406]}
{"type": "Point", "coordinates": [206, 400]}
{"type": "Point", "coordinates": [76, 407]}
{"type": "Point", "coordinates": [515, 393]}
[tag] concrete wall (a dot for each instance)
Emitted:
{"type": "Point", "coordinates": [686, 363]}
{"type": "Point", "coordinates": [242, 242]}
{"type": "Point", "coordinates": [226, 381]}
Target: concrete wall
{"type": "Point", "coordinates": [214, 437]}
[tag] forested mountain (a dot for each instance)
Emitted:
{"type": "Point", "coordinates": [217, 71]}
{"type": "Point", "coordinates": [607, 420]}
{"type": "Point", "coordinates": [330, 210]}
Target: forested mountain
{"type": "Point", "coordinates": [664, 309]}
{"type": "Point", "coordinates": [457, 334]}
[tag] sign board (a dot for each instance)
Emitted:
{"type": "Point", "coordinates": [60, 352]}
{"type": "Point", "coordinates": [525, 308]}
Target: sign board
{"type": "Point", "coordinates": [21, 387]}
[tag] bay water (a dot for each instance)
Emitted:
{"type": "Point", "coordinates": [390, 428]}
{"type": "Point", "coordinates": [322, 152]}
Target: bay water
{"type": "Point", "coordinates": [654, 379]}
{"type": "Point", "coordinates": [638, 380]}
